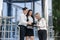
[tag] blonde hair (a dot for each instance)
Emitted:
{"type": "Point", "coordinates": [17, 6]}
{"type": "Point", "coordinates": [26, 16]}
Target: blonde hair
{"type": "Point", "coordinates": [37, 13]}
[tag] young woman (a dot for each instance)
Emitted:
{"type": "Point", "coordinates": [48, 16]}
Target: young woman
{"type": "Point", "coordinates": [29, 31]}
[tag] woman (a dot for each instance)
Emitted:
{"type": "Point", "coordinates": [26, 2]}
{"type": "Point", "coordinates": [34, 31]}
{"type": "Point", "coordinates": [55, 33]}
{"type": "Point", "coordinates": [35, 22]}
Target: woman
{"type": "Point", "coordinates": [42, 29]}
{"type": "Point", "coordinates": [29, 31]}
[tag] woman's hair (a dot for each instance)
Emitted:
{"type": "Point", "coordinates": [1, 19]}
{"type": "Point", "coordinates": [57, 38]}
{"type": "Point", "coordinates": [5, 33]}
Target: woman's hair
{"type": "Point", "coordinates": [28, 14]}
{"type": "Point", "coordinates": [37, 13]}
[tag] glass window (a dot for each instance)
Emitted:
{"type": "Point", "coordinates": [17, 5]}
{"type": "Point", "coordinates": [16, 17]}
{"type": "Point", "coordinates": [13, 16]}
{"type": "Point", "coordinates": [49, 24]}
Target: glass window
{"type": "Point", "coordinates": [17, 10]}
{"type": "Point", "coordinates": [38, 7]}
{"type": "Point", "coordinates": [28, 5]}
{"type": "Point", "coordinates": [4, 9]}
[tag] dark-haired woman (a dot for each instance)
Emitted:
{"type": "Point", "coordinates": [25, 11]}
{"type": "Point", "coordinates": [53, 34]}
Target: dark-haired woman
{"type": "Point", "coordinates": [29, 31]}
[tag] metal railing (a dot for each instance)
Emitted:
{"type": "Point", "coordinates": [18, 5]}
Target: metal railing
{"type": "Point", "coordinates": [9, 31]}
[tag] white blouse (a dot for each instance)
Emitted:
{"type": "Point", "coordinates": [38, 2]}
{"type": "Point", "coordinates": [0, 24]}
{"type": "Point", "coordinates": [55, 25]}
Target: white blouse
{"type": "Point", "coordinates": [30, 20]}
{"type": "Point", "coordinates": [42, 24]}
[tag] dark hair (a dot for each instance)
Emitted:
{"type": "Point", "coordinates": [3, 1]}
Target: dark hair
{"type": "Point", "coordinates": [28, 14]}
{"type": "Point", "coordinates": [24, 8]}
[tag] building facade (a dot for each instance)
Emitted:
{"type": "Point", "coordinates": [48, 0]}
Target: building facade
{"type": "Point", "coordinates": [10, 17]}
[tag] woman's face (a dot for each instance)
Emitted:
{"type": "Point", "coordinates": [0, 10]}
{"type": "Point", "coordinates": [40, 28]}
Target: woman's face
{"type": "Point", "coordinates": [30, 13]}
{"type": "Point", "coordinates": [37, 16]}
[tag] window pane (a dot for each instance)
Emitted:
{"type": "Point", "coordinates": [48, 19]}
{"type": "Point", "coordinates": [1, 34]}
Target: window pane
{"type": "Point", "coordinates": [28, 5]}
{"type": "Point", "coordinates": [4, 9]}
{"type": "Point", "coordinates": [38, 7]}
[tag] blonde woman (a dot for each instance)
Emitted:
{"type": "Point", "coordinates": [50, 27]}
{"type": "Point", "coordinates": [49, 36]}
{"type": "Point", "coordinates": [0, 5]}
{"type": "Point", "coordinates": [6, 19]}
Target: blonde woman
{"type": "Point", "coordinates": [42, 29]}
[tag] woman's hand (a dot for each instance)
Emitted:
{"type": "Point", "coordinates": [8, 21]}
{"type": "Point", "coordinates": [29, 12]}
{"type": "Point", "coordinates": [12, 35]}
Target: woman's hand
{"type": "Point", "coordinates": [30, 23]}
{"type": "Point", "coordinates": [38, 26]}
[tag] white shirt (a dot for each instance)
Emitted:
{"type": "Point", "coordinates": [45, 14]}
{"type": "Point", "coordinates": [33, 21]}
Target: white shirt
{"type": "Point", "coordinates": [23, 20]}
{"type": "Point", "coordinates": [42, 24]}
{"type": "Point", "coordinates": [30, 20]}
